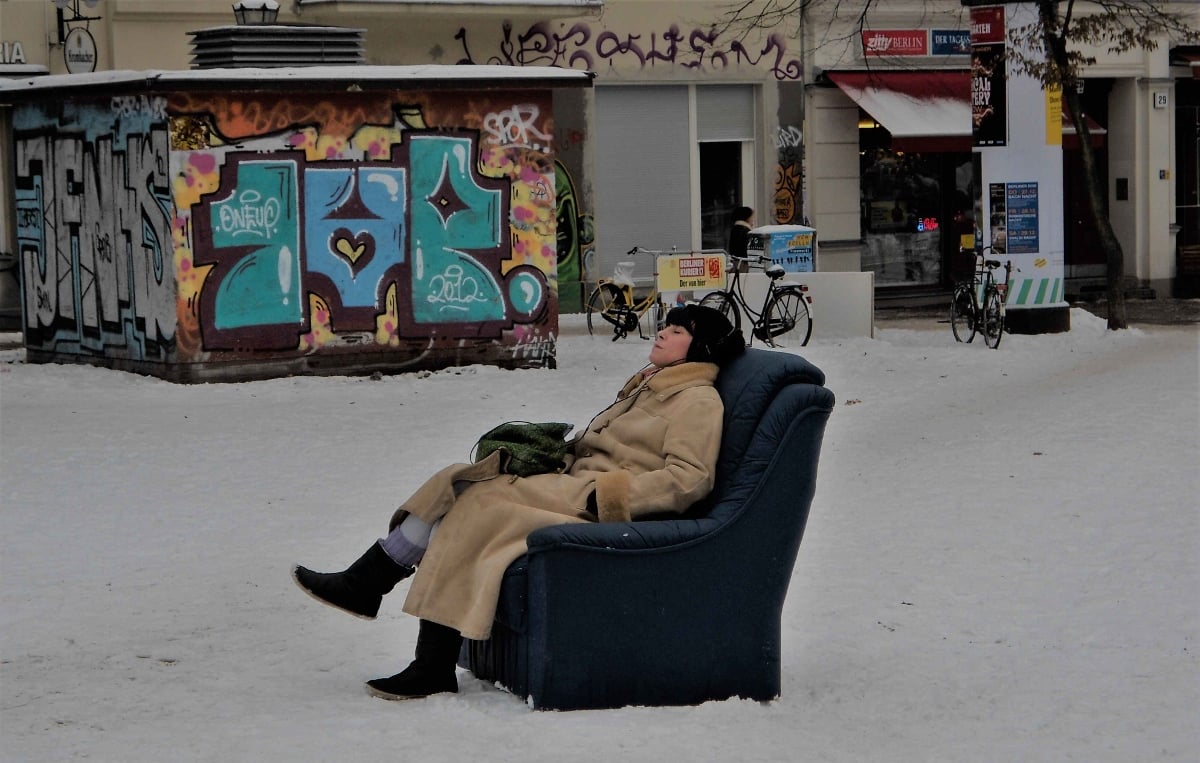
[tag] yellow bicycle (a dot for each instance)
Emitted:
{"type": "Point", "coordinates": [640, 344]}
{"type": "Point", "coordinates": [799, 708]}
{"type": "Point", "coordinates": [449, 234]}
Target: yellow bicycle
{"type": "Point", "coordinates": [615, 302]}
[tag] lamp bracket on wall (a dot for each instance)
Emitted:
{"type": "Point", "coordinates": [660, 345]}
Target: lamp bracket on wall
{"type": "Point", "coordinates": [68, 12]}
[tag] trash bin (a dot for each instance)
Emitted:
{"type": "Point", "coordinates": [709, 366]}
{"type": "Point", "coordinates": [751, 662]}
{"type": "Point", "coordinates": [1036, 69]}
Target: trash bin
{"type": "Point", "coordinates": [792, 246]}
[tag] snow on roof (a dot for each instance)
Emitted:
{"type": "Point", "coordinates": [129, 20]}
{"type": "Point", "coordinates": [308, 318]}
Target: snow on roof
{"type": "Point", "coordinates": [292, 76]}
{"type": "Point", "coordinates": [540, 3]}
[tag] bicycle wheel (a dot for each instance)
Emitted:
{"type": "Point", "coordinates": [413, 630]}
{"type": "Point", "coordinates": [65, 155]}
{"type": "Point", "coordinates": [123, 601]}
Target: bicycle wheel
{"type": "Point", "coordinates": [993, 318]}
{"type": "Point", "coordinates": [604, 302]}
{"type": "Point", "coordinates": [962, 314]}
{"type": "Point", "coordinates": [788, 322]}
{"type": "Point", "coordinates": [723, 301]}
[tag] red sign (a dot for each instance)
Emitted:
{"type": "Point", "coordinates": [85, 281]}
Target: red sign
{"type": "Point", "coordinates": [895, 42]}
{"type": "Point", "coordinates": [987, 25]}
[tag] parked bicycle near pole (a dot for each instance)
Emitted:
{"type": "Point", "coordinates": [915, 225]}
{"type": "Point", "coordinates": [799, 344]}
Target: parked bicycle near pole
{"type": "Point", "coordinates": [613, 300]}
{"type": "Point", "coordinates": [977, 306]}
{"type": "Point", "coordinates": [785, 317]}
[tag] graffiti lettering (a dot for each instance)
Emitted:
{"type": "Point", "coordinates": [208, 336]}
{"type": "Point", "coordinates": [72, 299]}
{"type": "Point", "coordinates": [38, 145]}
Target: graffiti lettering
{"type": "Point", "coordinates": [789, 137]}
{"type": "Point", "coordinates": [454, 289]}
{"type": "Point", "coordinates": [251, 216]}
{"type": "Point", "coordinates": [516, 128]}
{"type": "Point", "coordinates": [93, 230]}
{"type": "Point", "coordinates": [154, 107]}
{"type": "Point", "coordinates": [707, 49]}
{"type": "Point", "coordinates": [534, 347]}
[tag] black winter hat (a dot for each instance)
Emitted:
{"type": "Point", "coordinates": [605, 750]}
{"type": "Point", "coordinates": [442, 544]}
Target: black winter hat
{"type": "Point", "coordinates": [714, 339]}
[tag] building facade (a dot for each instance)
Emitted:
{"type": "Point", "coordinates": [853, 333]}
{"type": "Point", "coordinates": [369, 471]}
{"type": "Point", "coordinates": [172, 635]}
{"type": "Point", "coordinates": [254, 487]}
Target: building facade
{"type": "Point", "coordinates": [862, 133]}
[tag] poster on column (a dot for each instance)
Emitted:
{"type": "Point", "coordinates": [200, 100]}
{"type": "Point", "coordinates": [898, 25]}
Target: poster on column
{"type": "Point", "coordinates": [1022, 220]}
{"type": "Point", "coordinates": [989, 98]}
{"type": "Point", "coordinates": [1014, 215]}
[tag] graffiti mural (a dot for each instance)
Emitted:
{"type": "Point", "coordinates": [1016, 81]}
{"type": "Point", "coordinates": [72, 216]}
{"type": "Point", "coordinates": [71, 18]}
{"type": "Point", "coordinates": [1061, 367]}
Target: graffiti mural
{"type": "Point", "coordinates": [789, 147]}
{"type": "Point", "coordinates": [577, 45]}
{"type": "Point", "coordinates": [93, 227]}
{"type": "Point", "coordinates": [575, 229]}
{"type": "Point", "coordinates": [205, 227]}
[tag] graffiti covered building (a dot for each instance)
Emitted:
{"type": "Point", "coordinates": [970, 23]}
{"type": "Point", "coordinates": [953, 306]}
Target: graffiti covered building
{"type": "Point", "coordinates": [315, 221]}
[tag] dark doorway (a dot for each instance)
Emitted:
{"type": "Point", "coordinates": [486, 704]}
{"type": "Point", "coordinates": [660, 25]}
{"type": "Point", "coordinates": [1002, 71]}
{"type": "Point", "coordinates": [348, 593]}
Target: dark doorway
{"type": "Point", "coordinates": [720, 190]}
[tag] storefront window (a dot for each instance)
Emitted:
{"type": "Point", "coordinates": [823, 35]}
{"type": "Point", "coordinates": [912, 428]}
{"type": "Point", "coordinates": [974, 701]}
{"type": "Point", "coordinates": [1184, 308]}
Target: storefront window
{"type": "Point", "coordinates": [901, 218]}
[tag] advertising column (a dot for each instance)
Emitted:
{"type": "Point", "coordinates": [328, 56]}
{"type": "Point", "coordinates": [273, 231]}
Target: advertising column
{"type": "Point", "coordinates": [1021, 206]}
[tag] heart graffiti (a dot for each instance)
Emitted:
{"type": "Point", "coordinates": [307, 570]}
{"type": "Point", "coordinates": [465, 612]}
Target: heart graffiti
{"type": "Point", "coordinates": [356, 249]}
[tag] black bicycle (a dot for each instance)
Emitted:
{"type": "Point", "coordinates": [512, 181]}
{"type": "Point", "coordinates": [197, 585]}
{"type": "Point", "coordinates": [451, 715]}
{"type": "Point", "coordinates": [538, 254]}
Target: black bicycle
{"type": "Point", "coordinates": [785, 318]}
{"type": "Point", "coordinates": [977, 306]}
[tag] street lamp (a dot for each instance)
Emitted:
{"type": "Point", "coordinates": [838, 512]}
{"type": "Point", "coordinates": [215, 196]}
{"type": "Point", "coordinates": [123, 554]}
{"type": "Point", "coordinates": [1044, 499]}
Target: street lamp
{"type": "Point", "coordinates": [255, 12]}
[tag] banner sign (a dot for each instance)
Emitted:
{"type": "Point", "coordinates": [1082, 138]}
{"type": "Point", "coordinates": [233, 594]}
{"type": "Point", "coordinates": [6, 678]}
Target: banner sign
{"type": "Point", "coordinates": [950, 42]}
{"type": "Point", "coordinates": [895, 42]}
{"type": "Point", "coordinates": [989, 100]}
{"type": "Point", "coordinates": [694, 270]}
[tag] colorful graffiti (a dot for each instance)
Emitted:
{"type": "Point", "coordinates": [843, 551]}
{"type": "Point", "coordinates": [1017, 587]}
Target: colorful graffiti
{"type": "Point", "coordinates": [575, 229]}
{"type": "Point", "coordinates": [271, 226]}
{"type": "Point", "coordinates": [93, 227]}
{"type": "Point", "coordinates": [789, 173]}
{"type": "Point", "coordinates": [388, 234]}
{"type": "Point", "coordinates": [579, 46]}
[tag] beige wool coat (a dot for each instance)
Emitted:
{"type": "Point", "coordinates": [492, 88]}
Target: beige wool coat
{"type": "Point", "coordinates": [652, 451]}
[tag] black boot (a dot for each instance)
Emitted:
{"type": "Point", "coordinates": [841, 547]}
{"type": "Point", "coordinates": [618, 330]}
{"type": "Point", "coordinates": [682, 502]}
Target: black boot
{"type": "Point", "coordinates": [360, 589]}
{"type": "Point", "coordinates": [432, 672]}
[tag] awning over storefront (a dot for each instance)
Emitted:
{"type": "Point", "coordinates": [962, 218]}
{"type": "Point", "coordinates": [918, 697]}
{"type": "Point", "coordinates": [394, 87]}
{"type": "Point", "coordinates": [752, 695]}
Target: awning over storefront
{"type": "Point", "coordinates": [1096, 133]}
{"type": "Point", "coordinates": [1188, 55]}
{"type": "Point", "coordinates": [929, 110]}
{"type": "Point", "coordinates": [923, 110]}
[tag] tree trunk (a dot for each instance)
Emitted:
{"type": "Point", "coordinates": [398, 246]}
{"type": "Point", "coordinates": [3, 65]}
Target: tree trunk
{"type": "Point", "coordinates": [1114, 256]}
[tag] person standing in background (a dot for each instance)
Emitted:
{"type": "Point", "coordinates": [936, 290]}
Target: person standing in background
{"type": "Point", "coordinates": [739, 234]}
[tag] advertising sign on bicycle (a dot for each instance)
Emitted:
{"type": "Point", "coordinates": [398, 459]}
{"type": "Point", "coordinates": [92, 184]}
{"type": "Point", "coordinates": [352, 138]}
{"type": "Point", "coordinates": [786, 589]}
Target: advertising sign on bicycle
{"type": "Point", "coordinates": [691, 271]}
{"type": "Point", "coordinates": [792, 246]}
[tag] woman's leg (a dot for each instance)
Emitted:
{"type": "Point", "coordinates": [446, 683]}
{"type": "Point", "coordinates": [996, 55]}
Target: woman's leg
{"type": "Point", "coordinates": [360, 588]}
{"type": "Point", "coordinates": [434, 670]}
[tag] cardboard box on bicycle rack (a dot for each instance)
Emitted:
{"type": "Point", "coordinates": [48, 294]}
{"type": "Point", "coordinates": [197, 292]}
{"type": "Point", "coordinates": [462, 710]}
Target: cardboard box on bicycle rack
{"type": "Point", "coordinates": [792, 246]}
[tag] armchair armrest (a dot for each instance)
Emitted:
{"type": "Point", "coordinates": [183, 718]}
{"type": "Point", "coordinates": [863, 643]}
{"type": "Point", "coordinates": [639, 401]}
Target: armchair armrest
{"type": "Point", "coordinates": [616, 537]}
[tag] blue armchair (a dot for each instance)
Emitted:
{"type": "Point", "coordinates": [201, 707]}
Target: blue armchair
{"type": "Point", "coordinates": [675, 611]}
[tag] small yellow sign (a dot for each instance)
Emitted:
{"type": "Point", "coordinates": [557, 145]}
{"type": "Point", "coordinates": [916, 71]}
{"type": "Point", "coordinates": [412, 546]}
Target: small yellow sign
{"type": "Point", "coordinates": [694, 270]}
{"type": "Point", "coordinates": [1054, 115]}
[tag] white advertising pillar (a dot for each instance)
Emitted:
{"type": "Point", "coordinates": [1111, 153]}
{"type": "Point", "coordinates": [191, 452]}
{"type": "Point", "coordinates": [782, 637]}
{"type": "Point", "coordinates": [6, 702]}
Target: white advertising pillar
{"type": "Point", "coordinates": [1017, 130]}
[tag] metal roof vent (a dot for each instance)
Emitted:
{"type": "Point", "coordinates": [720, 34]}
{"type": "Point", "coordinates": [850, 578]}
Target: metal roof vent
{"type": "Point", "coordinates": [257, 41]}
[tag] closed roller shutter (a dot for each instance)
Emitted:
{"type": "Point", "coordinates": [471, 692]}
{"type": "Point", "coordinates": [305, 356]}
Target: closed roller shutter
{"type": "Point", "coordinates": [642, 173]}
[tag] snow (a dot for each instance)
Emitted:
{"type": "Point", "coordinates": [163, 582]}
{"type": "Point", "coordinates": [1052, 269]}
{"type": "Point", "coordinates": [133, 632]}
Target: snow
{"type": "Point", "coordinates": [379, 76]}
{"type": "Point", "coordinates": [1001, 561]}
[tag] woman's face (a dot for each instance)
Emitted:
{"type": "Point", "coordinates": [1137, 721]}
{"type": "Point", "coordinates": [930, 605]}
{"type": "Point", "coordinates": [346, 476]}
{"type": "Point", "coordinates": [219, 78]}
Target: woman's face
{"type": "Point", "coordinates": [670, 346]}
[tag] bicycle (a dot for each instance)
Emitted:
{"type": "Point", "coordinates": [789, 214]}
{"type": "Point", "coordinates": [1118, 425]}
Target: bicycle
{"type": "Point", "coordinates": [613, 299]}
{"type": "Point", "coordinates": [786, 314]}
{"type": "Point", "coordinates": [977, 305]}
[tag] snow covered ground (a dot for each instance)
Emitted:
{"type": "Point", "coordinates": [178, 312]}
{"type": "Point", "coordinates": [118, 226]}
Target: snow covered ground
{"type": "Point", "coordinates": [1002, 561]}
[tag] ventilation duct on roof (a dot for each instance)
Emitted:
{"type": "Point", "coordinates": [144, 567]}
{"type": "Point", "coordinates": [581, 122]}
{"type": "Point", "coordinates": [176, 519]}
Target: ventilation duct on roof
{"type": "Point", "coordinates": [268, 46]}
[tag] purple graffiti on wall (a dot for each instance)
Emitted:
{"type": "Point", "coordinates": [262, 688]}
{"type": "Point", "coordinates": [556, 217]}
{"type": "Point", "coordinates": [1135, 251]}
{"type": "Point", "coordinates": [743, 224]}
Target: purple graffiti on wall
{"type": "Point", "coordinates": [579, 47]}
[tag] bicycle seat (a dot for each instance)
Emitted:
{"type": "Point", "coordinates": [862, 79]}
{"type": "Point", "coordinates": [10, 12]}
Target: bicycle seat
{"type": "Point", "coordinates": [775, 271]}
{"type": "Point", "coordinates": [992, 263]}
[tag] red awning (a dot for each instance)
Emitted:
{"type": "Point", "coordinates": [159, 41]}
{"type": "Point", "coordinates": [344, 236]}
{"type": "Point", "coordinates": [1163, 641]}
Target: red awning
{"type": "Point", "coordinates": [928, 110]}
{"type": "Point", "coordinates": [1188, 58]}
{"type": "Point", "coordinates": [1096, 133]}
{"type": "Point", "coordinates": [923, 110]}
